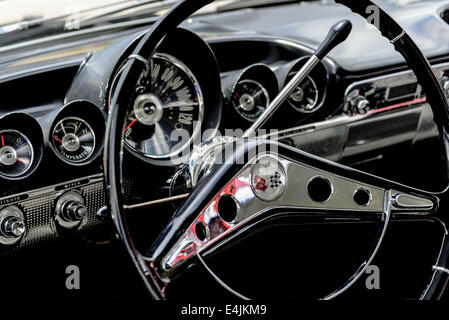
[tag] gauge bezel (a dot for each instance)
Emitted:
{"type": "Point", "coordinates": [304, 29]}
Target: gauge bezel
{"type": "Point", "coordinates": [320, 78]}
{"type": "Point", "coordinates": [28, 141]}
{"type": "Point", "coordinates": [73, 162]}
{"type": "Point", "coordinates": [317, 103]}
{"type": "Point", "coordinates": [264, 91]}
{"type": "Point", "coordinates": [260, 73]}
{"type": "Point", "coordinates": [179, 64]}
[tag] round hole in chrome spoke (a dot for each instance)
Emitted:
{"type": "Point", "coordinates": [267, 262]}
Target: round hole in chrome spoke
{"type": "Point", "coordinates": [227, 208]}
{"type": "Point", "coordinates": [320, 189]}
{"type": "Point", "coordinates": [202, 231]}
{"type": "Point", "coordinates": [362, 197]}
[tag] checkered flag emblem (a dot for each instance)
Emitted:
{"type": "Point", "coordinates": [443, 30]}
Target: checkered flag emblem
{"type": "Point", "coordinates": [275, 180]}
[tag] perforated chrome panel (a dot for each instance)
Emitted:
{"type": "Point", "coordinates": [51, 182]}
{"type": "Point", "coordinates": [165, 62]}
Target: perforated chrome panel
{"type": "Point", "coordinates": [39, 208]}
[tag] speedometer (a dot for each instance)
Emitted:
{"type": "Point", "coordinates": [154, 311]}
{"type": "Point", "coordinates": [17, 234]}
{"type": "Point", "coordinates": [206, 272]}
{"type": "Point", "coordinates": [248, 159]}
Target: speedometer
{"type": "Point", "coordinates": [167, 112]}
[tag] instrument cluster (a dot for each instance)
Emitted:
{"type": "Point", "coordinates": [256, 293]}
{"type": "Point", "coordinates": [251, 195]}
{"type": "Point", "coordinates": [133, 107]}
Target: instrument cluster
{"type": "Point", "coordinates": [21, 146]}
{"type": "Point", "coordinates": [75, 137]}
{"type": "Point", "coordinates": [250, 91]}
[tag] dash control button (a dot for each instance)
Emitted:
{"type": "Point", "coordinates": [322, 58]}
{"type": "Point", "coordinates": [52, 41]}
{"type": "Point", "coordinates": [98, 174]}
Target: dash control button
{"type": "Point", "coordinates": [268, 179]}
{"type": "Point", "coordinates": [12, 225]}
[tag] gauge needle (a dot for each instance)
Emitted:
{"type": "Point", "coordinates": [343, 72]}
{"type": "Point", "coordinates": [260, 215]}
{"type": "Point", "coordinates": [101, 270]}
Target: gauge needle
{"type": "Point", "coordinates": [3, 141]}
{"type": "Point", "coordinates": [237, 95]}
{"type": "Point", "coordinates": [130, 124]}
{"type": "Point", "coordinates": [58, 139]}
{"type": "Point", "coordinates": [179, 104]}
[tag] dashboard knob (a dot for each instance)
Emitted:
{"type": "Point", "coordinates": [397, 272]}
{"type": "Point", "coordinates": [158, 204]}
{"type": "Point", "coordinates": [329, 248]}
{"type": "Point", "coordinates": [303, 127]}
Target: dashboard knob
{"type": "Point", "coordinates": [73, 211]}
{"type": "Point", "coordinates": [12, 227]}
{"type": "Point", "coordinates": [70, 211]}
{"type": "Point", "coordinates": [356, 104]}
{"type": "Point", "coordinates": [362, 105]}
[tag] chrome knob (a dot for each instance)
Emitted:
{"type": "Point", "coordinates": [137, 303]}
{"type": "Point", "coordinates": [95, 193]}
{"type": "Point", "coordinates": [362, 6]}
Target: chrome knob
{"type": "Point", "coordinates": [70, 211]}
{"type": "Point", "coordinates": [362, 105]}
{"type": "Point", "coordinates": [73, 211]}
{"type": "Point", "coordinates": [356, 103]}
{"type": "Point", "coordinates": [12, 227]}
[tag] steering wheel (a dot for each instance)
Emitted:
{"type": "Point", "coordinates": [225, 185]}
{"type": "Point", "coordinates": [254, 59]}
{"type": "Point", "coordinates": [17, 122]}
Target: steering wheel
{"type": "Point", "coordinates": [262, 179]}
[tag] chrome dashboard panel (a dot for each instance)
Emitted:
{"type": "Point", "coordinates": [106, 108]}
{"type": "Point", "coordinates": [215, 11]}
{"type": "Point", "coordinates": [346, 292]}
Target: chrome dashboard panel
{"type": "Point", "coordinates": [38, 207]}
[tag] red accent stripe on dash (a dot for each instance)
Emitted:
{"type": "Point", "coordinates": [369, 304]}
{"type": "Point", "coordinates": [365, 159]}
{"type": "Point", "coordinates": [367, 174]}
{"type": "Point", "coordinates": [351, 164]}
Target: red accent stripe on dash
{"type": "Point", "coordinates": [398, 105]}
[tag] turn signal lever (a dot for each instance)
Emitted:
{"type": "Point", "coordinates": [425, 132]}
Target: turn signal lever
{"type": "Point", "coordinates": [337, 34]}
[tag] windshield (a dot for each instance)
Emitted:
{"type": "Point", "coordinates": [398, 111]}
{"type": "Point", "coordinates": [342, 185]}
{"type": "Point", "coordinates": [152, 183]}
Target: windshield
{"type": "Point", "coordinates": [22, 20]}
{"type": "Point", "coordinates": [14, 11]}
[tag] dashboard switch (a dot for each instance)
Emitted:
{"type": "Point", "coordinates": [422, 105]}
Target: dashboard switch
{"type": "Point", "coordinates": [70, 211]}
{"type": "Point", "coordinates": [12, 225]}
{"type": "Point", "coordinates": [356, 103]}
{"type": "Point", "coordinates": [73, 211]}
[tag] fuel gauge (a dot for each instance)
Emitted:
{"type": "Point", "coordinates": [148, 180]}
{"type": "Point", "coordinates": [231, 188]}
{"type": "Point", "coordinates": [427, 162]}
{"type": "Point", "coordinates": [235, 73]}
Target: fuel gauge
{"type": "Point", "coordinates": [16, 153]}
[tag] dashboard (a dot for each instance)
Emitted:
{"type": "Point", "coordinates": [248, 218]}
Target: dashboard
{"type": "Point", "coordinates": [51, 140]}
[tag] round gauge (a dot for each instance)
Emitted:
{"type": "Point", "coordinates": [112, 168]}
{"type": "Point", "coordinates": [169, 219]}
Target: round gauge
{"type": "Point", "coordinates": [167, 113]}
{"type": "Point", "coordinates": [250, 99]}
{"type": "Point", "coordinates": [73, 140]}
{"type": "Point", "coordinates": [305, 96]}
{"type": "Point", "coordinates": [16, 153]}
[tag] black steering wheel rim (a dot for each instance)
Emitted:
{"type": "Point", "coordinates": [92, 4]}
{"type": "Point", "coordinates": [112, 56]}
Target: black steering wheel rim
{"type": "Point", "coordinates": [146, 48]}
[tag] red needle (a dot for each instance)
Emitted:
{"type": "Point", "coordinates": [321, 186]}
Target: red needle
{"type": "Point", "coordinates": [58, 139]}
{"type": "Point", "coordinates": [129, 125]}
{"type": "Point", "coordinates": [3, 141]}
{"type": "Point", "coordinates": [237, 95]}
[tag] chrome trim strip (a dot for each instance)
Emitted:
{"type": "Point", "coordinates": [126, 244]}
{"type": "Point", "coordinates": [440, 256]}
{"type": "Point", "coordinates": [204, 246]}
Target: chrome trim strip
{"type": "Point", "coordinates": [67, 185]}
{"type": "Point", "coordinates": [404, 77]}
{"type": "Point", "coordinates": [398, 37]}
{"type": "Point", "coordinates": [401, 201]}
{"type": "Point", "coordinates": [139, 58]}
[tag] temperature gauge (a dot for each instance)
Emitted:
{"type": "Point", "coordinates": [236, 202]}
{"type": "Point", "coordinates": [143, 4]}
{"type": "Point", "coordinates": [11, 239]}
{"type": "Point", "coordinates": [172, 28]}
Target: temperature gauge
{"type": "Point", "coordinates": [250, 99]}
{"type": "Point", "coordinates": [73, 140]}
{"type": "Point", "coordinates": [16, 153]}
